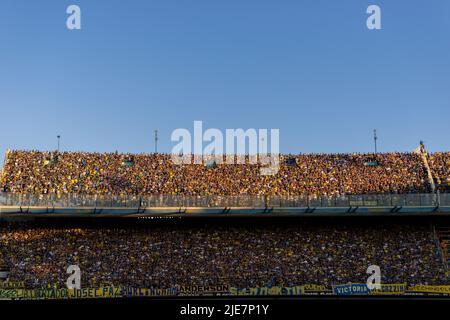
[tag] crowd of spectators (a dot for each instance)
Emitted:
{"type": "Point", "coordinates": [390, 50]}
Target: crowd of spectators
{"type": "Point", "coordinates": [244, 256]}
{"type": "Point", "coordinates": [2, 261]}
{"type": "Point", "coordinates": [440, 166]}
{"type": "Point", "coordinates": [152, 174]}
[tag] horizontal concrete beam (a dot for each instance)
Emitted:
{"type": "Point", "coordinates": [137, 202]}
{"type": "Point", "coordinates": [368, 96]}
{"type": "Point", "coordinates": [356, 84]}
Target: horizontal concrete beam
{"type": "Point", "coordinates": [9, 211]}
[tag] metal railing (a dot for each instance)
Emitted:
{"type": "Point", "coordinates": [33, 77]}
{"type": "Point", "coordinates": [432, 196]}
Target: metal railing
{"type": "Point", "coordinates": [135, 201]}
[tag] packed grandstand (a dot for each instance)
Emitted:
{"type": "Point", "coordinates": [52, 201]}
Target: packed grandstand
{"type": "Point", "coordinates": [317, 174]}
{"type": "Point", "coordinates": [240, 256]}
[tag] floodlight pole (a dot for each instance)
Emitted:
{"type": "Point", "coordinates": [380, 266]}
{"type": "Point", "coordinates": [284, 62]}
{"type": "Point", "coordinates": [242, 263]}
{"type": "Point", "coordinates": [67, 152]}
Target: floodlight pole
{"type": "Point", "coordinates": [59, 137]}
{"type": "Point", "coordinates": [375, 139]}
{"type": "Point", "coordinates": [156, 141]}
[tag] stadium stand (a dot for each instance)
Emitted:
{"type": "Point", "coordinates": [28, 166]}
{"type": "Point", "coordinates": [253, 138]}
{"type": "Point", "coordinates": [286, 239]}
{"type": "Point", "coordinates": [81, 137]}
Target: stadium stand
{"type": "Point", "coordinates": [112, 173]}
{"type": "Point", "coordinates": [209, 253]}
{"type": "Point", "coordinates": [443, 233]}
{"type": "Point", "coordinates": [241, 255]}
{"type": "Point", "coordinates": [440, 165]}
{"type": "Point", "coordinates": [3, 266]}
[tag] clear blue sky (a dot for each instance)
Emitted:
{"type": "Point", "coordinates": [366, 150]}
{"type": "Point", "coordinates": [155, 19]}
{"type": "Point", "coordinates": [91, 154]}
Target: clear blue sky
{"type": "Point", "coordinates": [310, 68]}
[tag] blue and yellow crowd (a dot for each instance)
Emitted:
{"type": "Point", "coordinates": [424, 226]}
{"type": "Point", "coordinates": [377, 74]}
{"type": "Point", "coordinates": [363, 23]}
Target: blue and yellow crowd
{"type": "Point", "coordinates": [243, 256]}
{"type": "Point", "coordinates": [440, 166]}
{"type": "Point", "coordinates": [149, 174]}
{"type": "Point", "coordinates": [239, 256]}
